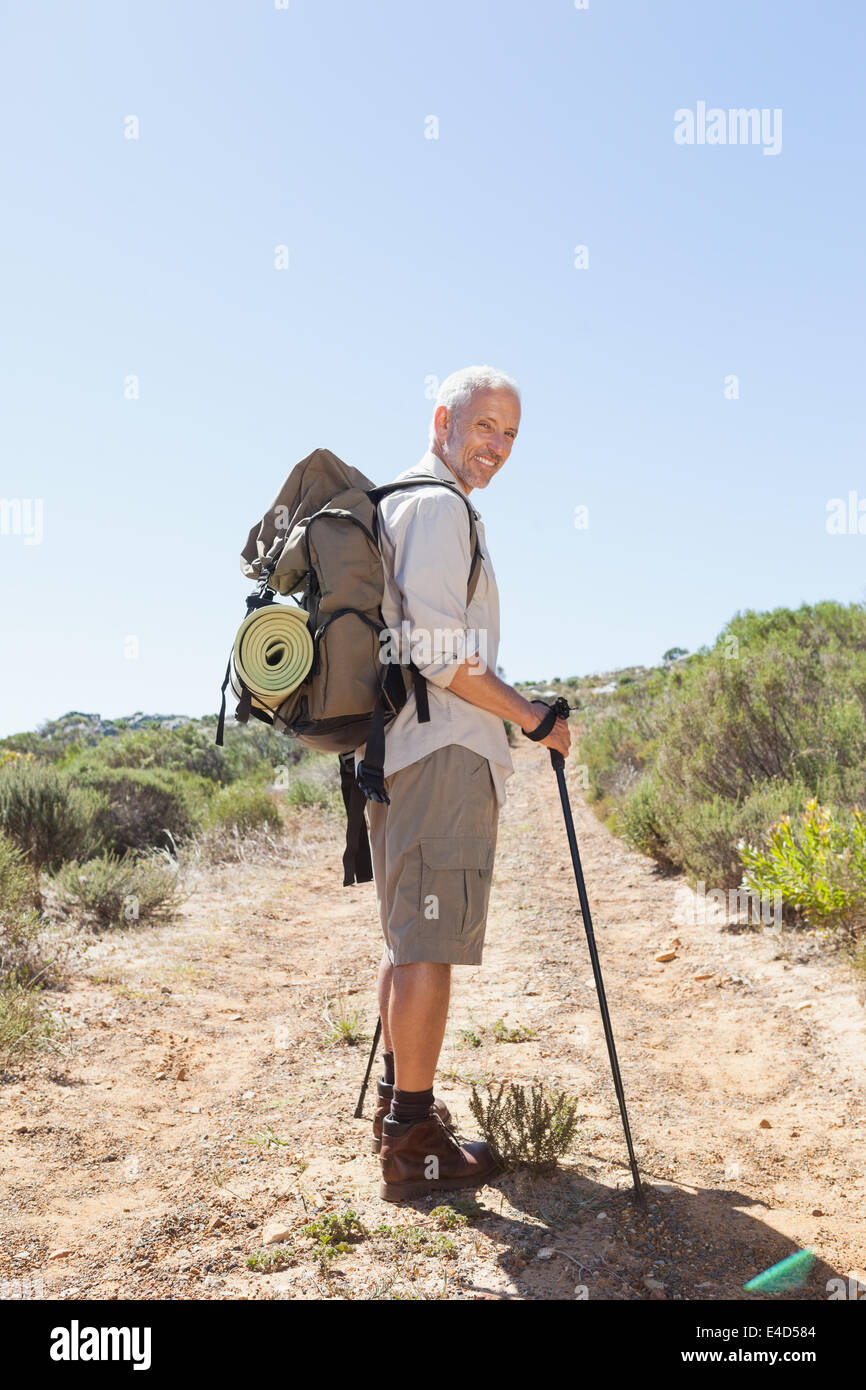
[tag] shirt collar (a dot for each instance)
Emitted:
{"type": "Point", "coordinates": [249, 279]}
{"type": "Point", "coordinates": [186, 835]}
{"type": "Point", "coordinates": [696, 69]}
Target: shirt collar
{"type": "Point", "coordinates": [432, 463]}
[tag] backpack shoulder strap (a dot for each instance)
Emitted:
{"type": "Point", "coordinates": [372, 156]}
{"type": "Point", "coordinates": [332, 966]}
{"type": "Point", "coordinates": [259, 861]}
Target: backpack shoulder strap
{"type": "Point", "coordinates": [376, 495]}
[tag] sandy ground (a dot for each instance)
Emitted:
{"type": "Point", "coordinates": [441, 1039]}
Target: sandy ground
{"type": "Point", "coordinates": [197, 1101]}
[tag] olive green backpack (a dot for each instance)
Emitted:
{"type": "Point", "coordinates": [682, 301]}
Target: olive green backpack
{"type": "Point", "coordinates": [319, 543]}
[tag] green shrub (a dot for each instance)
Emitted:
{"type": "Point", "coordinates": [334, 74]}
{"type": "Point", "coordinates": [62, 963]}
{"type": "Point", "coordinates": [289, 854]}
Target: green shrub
{"type": "Point", "coordinates": [118, 890]}
{"type": "Point", "coordinates": [18, 886]}
{"type": "Point", "coordinates": [268, 1261]}
{"type": "Point", "coordinates": [141, 804]}
{"type": "Point", "coordinates": [503, 1034]}
{"type": "Point", "coordinates": [24, 1022]}
{"type": "Point", "coordinates": [243, 806]}
{"type": "Point", "coordinates": [701, 836]}
{"type": "Point", "coordinates": [347, 1027]}
{"type": "Point", "coordinates": [191, 750]}
{"type": "Point", "coordinates": [639, 821]}
{"type": "Point", "coordinates": [50, 819]}
{"type": "Point", "coordinates": [818, 865]}
{"type": "Point", "coordinates": [334, 1235]}
{"type": "Point", "coordinates": [22, 955]}
{"type": "Point", "coordinates": [710, 749]}
{"type": "Point", "coordinates": [315, 782]}
{"type": "Point", "coordinates": [525, 1127]}
{"type": "Point", "coordinates": [24, 966]}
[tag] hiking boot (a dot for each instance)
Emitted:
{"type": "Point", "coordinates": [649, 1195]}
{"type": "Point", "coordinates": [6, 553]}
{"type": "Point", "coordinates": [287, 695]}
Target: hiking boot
{"type": "Point", "coordinates": [424, 1157]}
{"type": "Point", "coordinates": [383, 1107]}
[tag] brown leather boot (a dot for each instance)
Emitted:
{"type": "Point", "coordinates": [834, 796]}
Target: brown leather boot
{"type": "Point", "coordinates": [383, 1107]}
{"type": "Point", "coordinates": [425, 1157]}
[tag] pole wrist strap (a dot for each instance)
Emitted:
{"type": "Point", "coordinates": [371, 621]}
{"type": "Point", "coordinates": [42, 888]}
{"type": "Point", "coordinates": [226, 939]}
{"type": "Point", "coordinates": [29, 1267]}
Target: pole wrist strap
{"type": "Point", "coordinates": [544, 727]}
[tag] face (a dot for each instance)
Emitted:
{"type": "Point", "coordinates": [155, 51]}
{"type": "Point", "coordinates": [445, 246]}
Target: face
{"type": "Point", "coordinates": [476, 440]}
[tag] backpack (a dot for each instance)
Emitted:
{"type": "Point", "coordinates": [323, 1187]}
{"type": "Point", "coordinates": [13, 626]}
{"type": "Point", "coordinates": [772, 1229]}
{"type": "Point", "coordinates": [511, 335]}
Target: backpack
{"type": "Point", "coordinates": [319, 542]}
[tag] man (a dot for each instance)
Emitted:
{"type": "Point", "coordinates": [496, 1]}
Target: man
{"type": "Point", "coordinates": [433, 845]}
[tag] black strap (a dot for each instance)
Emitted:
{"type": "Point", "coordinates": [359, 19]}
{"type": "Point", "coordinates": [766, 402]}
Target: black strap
{"type": "Point", "coordinates": [474, 570]}
{"type": "Point", "coordinates": [221, 722]}
{"type": "Point", "coordinates": [357, 862]}
{"type": "Point", "coordinates": [370, 774]}
{"type": "Point", "coordinates": [422, 704]}
{"type": "Point", "coordinates": [245, 704]}
{"type": "Point", "coordinates": [545, 726]}
{"type": "Point", "coordinates": [261, 596]}
{"type": "Point", "coordinates": [376, 494]}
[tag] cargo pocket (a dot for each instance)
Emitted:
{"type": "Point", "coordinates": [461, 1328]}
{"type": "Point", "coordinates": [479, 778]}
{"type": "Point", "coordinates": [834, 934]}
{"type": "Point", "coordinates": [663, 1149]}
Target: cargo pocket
{"type": "Point", "coordinates": [455, 884]}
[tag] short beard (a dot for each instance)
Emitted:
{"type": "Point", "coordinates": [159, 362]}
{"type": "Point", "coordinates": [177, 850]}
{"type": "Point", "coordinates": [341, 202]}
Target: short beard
{"type": "Point", "coordinates": [451, 455]}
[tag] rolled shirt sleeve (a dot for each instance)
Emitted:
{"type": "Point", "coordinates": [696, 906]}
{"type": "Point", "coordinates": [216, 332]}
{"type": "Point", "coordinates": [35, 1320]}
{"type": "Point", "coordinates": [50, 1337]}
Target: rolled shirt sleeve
{"type": "Point", "coordinates": [432, 558]}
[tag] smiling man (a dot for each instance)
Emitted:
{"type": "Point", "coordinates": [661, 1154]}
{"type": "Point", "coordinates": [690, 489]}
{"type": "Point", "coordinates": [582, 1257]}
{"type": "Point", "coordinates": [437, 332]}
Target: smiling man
{"type": "Point", "coordinates": [433, 843]}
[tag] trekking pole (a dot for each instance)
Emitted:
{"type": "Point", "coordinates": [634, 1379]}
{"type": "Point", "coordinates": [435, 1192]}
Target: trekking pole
{"type": "Point", "coordinates": [359, 1108]}
{"type": "Point", "coordinates": [558, 762]}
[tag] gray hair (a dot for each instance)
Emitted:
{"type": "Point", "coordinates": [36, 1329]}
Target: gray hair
{"type": "Point", "coordinates": [459, 388]}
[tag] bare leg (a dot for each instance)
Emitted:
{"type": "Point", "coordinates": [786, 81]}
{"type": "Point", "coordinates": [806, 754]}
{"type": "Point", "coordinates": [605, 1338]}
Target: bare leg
{"type": "Point", "coordinates": [386, 974]}
{"type": "Point", "coordinates": [420, 994]}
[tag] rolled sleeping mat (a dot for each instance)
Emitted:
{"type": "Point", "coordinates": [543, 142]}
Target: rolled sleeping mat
{"type": "Point", "coordinates": [273, 653]}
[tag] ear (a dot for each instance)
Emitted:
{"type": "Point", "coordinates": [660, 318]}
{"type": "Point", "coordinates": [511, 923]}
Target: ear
{"type": "Point", "coordinates": [442, 423]}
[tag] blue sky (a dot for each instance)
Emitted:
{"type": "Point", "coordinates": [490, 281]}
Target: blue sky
{"type": "Point", "coordinates": [409, 257]}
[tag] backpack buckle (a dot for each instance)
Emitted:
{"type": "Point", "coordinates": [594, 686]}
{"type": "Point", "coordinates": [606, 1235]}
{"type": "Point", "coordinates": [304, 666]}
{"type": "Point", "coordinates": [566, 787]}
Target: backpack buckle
{"type": "Point", "coordinates": [371, 780]}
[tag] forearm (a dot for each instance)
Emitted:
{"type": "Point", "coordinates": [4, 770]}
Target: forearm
{"type": "Point", "coordinates": [485, 689]}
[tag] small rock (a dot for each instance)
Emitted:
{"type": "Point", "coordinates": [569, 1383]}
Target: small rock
{"type": "Point", "coordinates": [180, 1074]}
{"type": "Point", "coordinates": [817, 1212]}
{"type": "Point", "coordinates": [765, 1124]}
{"type": "Point", "coordinates": [274, 1233]}
{"type": "Point", "coordinates": [666, 955]}
{"type": "Point", "coordinates": [547, 1253]}
{"type": "Point", "coordinates": [160, 1076]}
{"type": "Point", "coordinates": [165, 990]}
{"type": "Point", "coordinates": [59, 1254]}
{"type": "Point", "coordinates": [653, 1283]}
{"type": "Point", "coordinates": [806, 1004]}
{"type": "Point", "coordinates": [706, 975]}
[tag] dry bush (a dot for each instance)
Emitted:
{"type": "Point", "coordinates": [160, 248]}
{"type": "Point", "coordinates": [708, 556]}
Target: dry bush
{"type": "Point", "coordinates": [526, 1127]}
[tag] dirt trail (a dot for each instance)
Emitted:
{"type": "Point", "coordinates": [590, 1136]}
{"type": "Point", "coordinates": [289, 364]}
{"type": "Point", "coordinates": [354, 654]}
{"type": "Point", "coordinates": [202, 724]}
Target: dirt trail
{"type": "Point", "coordinates": [134, 1152]}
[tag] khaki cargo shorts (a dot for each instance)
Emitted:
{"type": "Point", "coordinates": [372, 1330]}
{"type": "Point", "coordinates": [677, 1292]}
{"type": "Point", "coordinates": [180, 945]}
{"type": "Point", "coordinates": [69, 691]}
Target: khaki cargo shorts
{"type": "Point", "coordinates": [432, 851]}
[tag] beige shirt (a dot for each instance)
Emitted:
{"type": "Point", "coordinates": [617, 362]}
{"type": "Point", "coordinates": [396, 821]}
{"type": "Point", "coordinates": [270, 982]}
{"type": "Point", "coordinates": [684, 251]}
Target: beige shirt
{"type": "Point", "coordinates": [424, 536]}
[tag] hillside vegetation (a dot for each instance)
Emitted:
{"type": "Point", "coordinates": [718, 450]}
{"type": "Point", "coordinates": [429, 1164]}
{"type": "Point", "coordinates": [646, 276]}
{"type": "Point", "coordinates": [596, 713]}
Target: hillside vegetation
{"type": "Point", "coordinates": [100, 822]}
{"type": "Point", "coordinates": [741, 765]}
{"type": "Point", "coordinates": [745, 762]}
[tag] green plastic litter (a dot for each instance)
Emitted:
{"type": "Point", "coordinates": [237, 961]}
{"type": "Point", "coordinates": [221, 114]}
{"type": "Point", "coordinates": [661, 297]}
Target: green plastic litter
{"type": "Point", "coordinates": [789, 1273]}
